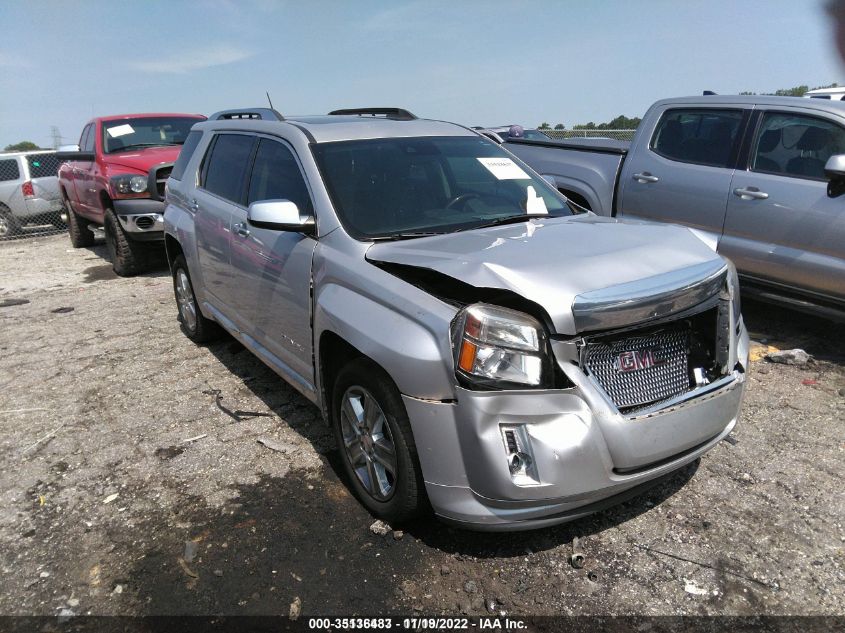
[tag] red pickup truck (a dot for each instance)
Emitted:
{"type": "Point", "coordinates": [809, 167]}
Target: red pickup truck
{"type": "Point", "coordinates": [114, 182]}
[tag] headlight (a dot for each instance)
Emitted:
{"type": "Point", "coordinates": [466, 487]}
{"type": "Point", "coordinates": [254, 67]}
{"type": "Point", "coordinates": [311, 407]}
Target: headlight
{"type": "Point", "coordinates": [129, 184]}
{"type": "Point", "coordinates": [496, 345]}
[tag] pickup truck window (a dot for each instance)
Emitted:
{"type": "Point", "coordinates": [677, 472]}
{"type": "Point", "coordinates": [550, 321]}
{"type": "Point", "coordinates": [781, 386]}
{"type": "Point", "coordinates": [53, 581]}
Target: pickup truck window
{"type": "Point", "coordinates": [227, 163]}
{"type": "Point", "coordinates": [389, 187]}
{"type": "Point", "coordinates": [86, 141]}
{"type": "Point", "coordinates": [795, 145]}
{"type": "Point", "coordinates": [702, 136]}
{"type": "Point", "coordinates": [276, 176]}
{"type": "Point", "coordinates": [188, 148]}
{"type": "Point", "coordinates": [130, 134]}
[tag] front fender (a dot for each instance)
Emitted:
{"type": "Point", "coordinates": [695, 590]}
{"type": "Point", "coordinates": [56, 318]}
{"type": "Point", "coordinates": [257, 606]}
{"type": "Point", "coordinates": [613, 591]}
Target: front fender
{"type": "Point", "coordinates": [417, 357]}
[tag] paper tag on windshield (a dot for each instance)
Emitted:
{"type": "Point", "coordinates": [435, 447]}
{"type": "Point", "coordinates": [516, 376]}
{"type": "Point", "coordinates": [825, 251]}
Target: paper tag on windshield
{"type": "Point", "coordinates": [120, 130]}
{"type": "Point", "coordinates": [503, 168]}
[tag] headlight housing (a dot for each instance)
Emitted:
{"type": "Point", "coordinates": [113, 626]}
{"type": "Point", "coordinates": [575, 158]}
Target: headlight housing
{"type": "Point", "coordinates": [498, 348]}
{"type": "Point", "coordinates": [129, 184]}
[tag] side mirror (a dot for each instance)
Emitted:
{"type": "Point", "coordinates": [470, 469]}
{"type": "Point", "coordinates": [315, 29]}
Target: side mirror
{"type": "Point", "coordinates": [279, 215]}
{"type": "Point", "coordinates": [71, 152]}
{"type": "Point", "coordinates": [834, 170]}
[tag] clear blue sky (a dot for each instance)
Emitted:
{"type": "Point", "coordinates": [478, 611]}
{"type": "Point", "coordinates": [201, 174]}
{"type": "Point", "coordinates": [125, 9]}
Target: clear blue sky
{"type": "Point", "coordinates": [474, 62]}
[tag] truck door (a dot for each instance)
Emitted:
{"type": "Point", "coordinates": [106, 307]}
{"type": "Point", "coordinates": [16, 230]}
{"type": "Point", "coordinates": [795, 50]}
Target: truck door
{"type": "Point", "coordinates": [781, 226]}
{"type": "Point", "coordinates": [682, 170]}
{"type": "Point", "coordinates": [75, 170]}
{"type": "Point", "coordinates": [221, 191]}
{"type": "Point", "coordinates": [273, 268]}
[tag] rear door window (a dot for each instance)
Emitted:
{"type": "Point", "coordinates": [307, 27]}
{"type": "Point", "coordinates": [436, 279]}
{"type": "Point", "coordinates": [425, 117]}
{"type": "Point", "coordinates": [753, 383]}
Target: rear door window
{"type": "Point", "coordinates": [795, 145]}
{"type": "Point", "coordinates": [704, 137]}
{"type": "Point", "coordinates": [86, 143]}
{"type": "Point", "coordinates": [276, 176]}
{"type": "Point", "coordinates": [42, 165]}
{"type": "Point", "coordinates": [226, 166]}
{"type": "Point", "coordinates": [9, 170]}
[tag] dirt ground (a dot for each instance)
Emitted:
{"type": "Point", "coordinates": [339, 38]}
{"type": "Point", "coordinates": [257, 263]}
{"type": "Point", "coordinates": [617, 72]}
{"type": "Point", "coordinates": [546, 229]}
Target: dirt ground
{"type": "Point", "coordinates": [126, 489]}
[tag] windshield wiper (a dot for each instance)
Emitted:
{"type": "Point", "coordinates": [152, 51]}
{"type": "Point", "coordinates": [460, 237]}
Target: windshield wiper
{"type": "Point", "coordinates": [508, 219]}
{"type": "Point", "coordinates": [137, 145]}
{"type": "Point", "coordinates": [404, 236]}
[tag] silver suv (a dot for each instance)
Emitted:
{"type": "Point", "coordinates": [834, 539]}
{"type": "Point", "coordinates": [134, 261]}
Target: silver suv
{"type": "Point", "coordinates": [29, 191]}
{"type": "Point", "coordinates": [475, 343]}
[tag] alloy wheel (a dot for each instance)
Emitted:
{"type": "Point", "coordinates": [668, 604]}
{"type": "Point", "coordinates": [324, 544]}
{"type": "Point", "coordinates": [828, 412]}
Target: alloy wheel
{"type": "Point", "coordinates": [368, 442]}
{"type": "Point", "coordinates": [185, 300]}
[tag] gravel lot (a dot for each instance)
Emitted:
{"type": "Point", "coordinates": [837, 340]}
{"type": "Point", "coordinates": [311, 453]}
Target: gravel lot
{"type": "Point", "coordinates": [111, 506]}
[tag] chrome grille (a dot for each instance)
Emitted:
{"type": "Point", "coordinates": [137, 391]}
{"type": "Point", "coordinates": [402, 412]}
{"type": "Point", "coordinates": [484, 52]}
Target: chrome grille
{"type": "Point", "coordinates": [639, 370]}
{"type": "Point", "coordinates": [162, 174]}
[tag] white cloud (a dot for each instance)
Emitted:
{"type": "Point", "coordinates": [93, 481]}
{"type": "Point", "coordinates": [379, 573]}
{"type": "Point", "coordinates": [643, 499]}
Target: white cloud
{"type": "Point", "coordinates": [196, 59]}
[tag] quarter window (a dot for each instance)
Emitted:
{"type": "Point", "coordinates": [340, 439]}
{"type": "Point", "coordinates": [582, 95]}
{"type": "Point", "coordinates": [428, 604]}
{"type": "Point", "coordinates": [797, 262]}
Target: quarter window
{"type": "Point", "coordinates": [9, 170]}
{"type": "Point", "coordinates": [703, 137]}
{"type": "Point", "coordinates": [276, 176]}
{"type": "Point", "coordinates": [185, 155]}
{"type": "Point", "coordinates": [795, 145]}
{"type": "Point", "coordinates": [42, 165]}
{"type": "Point", "coordinates": [224, 175]}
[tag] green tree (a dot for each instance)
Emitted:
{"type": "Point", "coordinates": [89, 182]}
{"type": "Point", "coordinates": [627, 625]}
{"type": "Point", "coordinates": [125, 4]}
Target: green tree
{"type": "Point", "coordinates": [544, 126]}
{"type": "Point", "coordinates": [560, 126]}
{"type": "Point", "coordinates": [23, 146]}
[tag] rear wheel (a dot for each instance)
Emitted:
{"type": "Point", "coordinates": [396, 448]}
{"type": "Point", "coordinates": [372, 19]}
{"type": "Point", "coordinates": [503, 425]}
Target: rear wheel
{"type": "Point", "coordinates": [80, 234]}
{"type": "Point", "coordinates": [127, 257]}
{"type": "Point", "coordinates": [373, 433]}
{"type": "Point", "coordinates": [9, 224]}
{"type": "Point", "coordinates": [195, 326]}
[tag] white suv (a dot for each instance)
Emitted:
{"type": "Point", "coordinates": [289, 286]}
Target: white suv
{"type": "Point", "coordinates": [29, 191]}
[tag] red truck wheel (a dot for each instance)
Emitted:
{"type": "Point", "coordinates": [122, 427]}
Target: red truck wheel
{"type": "Point", "coordinates": [77, 228]}
{"type": "Point", "coordinates": [126, 257]}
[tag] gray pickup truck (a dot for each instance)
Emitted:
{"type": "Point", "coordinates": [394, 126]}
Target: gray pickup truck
{"type": "Point", "coordinates": [474, 343]}
{"type": "Point", "coordinates": [761, 177]}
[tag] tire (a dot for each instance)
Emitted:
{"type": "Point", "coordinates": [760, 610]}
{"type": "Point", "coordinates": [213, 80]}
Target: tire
{"type": "Point", "coordinates": [9, 224]}
{"type": "Point", "coordinates": [365, 432]}
{"type": "Point", "coordinates": [127, 258]}
{"type": "Point", "coordinates": [195, 326]}
{"type": "Point", "coordinates": [77, 228]}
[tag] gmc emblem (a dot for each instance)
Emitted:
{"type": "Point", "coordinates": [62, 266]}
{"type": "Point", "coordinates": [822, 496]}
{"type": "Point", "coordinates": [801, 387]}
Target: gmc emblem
{"type": "Point", "coordinates": [637, 359]}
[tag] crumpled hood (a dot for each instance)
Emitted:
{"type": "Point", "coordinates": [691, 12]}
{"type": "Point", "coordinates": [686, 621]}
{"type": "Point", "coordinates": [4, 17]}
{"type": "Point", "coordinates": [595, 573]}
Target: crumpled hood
{"type": "Point", "coordinates": [143, 159]}
{"type": "Point", "coordinates": [557, 261]}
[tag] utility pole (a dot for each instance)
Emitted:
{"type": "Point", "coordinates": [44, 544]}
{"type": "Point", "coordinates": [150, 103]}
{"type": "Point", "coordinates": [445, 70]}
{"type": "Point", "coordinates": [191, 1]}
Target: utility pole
{"type": "Point", "coordinates": [57, 136]}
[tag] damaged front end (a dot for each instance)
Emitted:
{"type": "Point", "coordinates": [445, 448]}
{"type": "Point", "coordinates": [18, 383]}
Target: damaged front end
{"type": "Point", "coordinates": [549, 426]}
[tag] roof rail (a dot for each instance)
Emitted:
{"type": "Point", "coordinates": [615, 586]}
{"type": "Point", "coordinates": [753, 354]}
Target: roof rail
{"type": "Point", "coordinates": [390, 113]}
{"type": "Point", "coordinates": [263, 114]}
{"type": "Point", "coordinates": [708, 93]}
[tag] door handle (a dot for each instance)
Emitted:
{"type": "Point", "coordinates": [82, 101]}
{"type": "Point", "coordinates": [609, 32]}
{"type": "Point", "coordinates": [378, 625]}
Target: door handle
{"type": "Point", "coordinates": [645, 177]}
{"type": "Point", "coordinates": [194, 206]}
{"type": "Point", "coordinates": [751, 193]}
{"type": "Point", "coordinates": [240, 229]}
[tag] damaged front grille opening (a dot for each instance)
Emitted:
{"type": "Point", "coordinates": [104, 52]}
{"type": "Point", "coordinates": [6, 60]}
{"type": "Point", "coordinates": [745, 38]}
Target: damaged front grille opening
{"type": "Point", "coordinates": [642, 368]}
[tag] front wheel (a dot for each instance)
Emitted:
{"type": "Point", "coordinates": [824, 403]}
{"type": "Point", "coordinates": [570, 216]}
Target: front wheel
{"type": "Point", "coordinates": [127, 258]}
{"type": "Point", "coordinates": [374, 435]}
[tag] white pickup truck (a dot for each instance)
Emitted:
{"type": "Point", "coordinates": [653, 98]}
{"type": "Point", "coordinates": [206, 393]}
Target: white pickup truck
{"type": "Point", "coordinates": [759, 177]}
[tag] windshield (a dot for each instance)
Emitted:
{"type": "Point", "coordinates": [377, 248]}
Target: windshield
{"type": "Point", "coordinates": [390, 187]}
{"type": "Point", "coordinates": [128, 134]}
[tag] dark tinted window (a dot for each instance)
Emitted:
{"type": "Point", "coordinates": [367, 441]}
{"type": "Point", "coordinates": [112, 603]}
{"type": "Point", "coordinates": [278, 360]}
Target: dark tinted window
{"type": "Point", "coordinates": [796, 145]}
{"type": "Point", "coordinates": [382, 187]}
{"type": "Point", "coordinates": [705, 137]}
{"type": "Point", "coordinates": [9, 170]}
{"type": "Point", "coordinates": [185, 154]}
{"type": "Point", "coordinates": [224, 175]}
{"type": "Point", "coordinates": [43, 165]}
{"type": "Point", "coordinates": [276, 176]}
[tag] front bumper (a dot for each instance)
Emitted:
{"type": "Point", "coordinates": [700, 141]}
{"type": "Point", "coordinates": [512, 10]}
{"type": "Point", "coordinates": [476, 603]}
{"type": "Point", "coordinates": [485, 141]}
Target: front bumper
{"type": "Point", "coordinates": [585, 454]}
{"type": "Point", "coordinates": [141, 219]}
